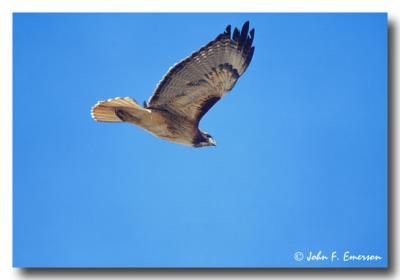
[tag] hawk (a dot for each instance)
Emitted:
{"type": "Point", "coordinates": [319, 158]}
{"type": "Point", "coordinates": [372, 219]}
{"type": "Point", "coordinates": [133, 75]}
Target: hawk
{"type": "Point", "coordinates": [188, 90]}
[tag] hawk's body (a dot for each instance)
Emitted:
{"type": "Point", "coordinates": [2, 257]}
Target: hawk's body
{"type": "Point", "coordinates": [187, 92]}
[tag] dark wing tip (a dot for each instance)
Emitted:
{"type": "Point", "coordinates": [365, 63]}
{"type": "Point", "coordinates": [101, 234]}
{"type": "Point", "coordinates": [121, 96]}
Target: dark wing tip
{"type": "Point", "coordinates": [245, 27]}
{"type": "Point", "coordinates": [236, 34]}
{"type": "Point", "coordinates": [249, 41]}
{"type": "Point", "coordinates": [244, 41]}
{"type": "Point", "coordinates": [243, 34]}
{"type": "Point", "coordinates": [228, 30]}
{"type": "Point", "coordinates": [252, 33]}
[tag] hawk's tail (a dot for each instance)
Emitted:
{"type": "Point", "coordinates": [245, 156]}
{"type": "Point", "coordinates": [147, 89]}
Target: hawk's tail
{"type": "Point", "coordinates": [105, 111]}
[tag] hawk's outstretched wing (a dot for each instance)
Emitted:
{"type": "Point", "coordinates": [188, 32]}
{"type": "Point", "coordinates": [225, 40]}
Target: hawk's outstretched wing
{"type": "Point", "coordinates": [192, 86]}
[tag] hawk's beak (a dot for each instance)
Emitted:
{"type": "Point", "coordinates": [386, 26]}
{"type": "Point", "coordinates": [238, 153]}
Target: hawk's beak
{"type": "Point", "coordinates": [213, 142]}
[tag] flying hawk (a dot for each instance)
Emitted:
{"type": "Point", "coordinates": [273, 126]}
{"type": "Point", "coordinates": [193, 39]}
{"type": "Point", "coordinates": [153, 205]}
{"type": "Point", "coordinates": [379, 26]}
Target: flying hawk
{"type": "Point", "coordinates": [188, 90]}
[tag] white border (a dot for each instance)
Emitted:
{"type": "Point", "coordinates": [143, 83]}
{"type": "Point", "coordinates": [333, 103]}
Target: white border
{"type": "Point", "coordinates": [202, 6]}
{"type": "Point", "coordinates": [7, 7]}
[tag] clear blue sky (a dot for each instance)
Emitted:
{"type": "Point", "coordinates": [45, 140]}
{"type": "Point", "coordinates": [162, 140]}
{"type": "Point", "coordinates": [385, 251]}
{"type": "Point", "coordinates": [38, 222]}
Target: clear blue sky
{"type": "Point", "coordinates": [301, 161]}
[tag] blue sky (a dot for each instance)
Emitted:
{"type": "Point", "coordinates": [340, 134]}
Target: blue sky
{"type": "Point", "coordinates": [301, 161]}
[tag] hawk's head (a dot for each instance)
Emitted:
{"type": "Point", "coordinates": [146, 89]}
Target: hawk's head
{"type": "Point", "coordinates": [204, 139]}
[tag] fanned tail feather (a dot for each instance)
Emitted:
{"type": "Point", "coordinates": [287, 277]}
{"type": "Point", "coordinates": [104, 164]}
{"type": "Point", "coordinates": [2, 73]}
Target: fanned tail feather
{"type": "Point", "coordinates": [104, 111]}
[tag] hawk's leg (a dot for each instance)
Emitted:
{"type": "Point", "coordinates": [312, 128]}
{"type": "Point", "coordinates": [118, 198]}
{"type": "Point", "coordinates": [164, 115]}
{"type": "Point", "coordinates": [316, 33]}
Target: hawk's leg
{"type": "Point", "coordinates": [125, 116]}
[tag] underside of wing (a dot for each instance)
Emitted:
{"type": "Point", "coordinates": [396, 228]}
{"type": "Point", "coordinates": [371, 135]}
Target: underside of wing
{"type": "Point", "coordinates": [191, 87]}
